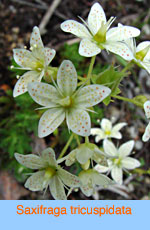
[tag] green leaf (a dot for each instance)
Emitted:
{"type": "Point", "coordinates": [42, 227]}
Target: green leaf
{"type": "Point", "coordinates": [110, 78]}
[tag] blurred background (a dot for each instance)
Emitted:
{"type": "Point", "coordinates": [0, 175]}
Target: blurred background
{"type": "Point", "coordinates": [19, 120]}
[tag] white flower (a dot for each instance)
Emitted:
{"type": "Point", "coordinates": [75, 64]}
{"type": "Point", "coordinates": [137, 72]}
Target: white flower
{"type": "Point", "coordinates": [107, 130]}
{"type": "Point", "coordinates": [64, 101]}
{"type": "Point", "coordinates": [90, 178]}
{"type": "Point", "coordinates": [84, 153]}
{"type": "Point", "coordinates": [146, 134]}
{"type": "Point", "coordinates": [36, 61]}
{"type": "Point", "coordinates": [50, 174]}
{"type": "Point", "coordinates": [97, 35]}
{"type": "Point", "coordinates": [118, 160]}
{"type": "Point", "coordinates": [140, 54]}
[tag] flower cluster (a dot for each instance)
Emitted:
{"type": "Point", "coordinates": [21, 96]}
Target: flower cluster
{"type": "Point", "coordinates": [63, 100]}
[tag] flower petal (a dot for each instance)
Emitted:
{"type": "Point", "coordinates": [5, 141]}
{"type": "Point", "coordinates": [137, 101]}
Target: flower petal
{"type": "Point", "coordinates": [22, 83]}
{"type": "Point", "coordinates": [35, 39]}
{"type": "Point", "coordinates": [99, 134]}
{"type": "Point", "coordinates": [119, 126]}
{"type": "Point", "coordinates": [116, 135]}
{"type": "Point", "coordinates": [117, 175]}
{"type": "Point", "coordinates": [101, 168]}
{"type": "Point", "coordinates": [130, 163]}
{"type": "Point", "coordinates": [76, 28]}
{"type": "Point", "coordinates": [48, 155]}
{"type": "Point", "coordinates": [87, 189]}
{"type": "Point", "coordinates": [100, 179]}
{"type": "Point", "coordinates": [146, 134]}
{"type": "Point", "coordinates": [145, 65]}
{"type": "Point", "coordinates": [49, 55]}
{"type": "Point", "coordinates": [31, 161]}
{"type": "Point", "coordinates": [87, 185]}
{"type": "Point", "coordinates": [106, 124]}
{"type": "Point", "coordinates": [57, 189]}
{"type": "Point", "coordinates": [24, 58]}
{"type": "Point", "coordinates": [43, 94]}
{"type": "Point", "coordinates": [115, 130]}
{"type": "Point", "coordinates": [49, 121]}
{"type": "Point", "coordinates": [67, 78]}
{"type": "Point", "coordinates": [83, 154]}
{"type": "Point", "coordinates": [79, 122]}
{"type": "Point", "coordinates": [71, 158]}
{"type": "Point", "coordinates": [88, 48]}
{"type": "Point", "coordinates": [35, 182]}
{"type": "Point", "coordinates": [142, 45]}
{"type": "Point", "coordinates": [95, 18]}
{"type": "Point", "coordinates": [126, 149]}
{"type": "Point", "coordinates": [120, 49]}
{"type": "Point", "coordinates": [122, 33]}
{"type": "Point", "coordinates": [68, 178]}
{"type": "Point", "coordinates": [147, 109]}
{"type": "Point", "coordinates": [109, 148]}
{"type": "Point", "coordinates": [91, 95]}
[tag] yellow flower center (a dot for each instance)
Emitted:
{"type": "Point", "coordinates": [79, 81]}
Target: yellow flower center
{"type": "Point", "coordinates": [100, 36]}
{"type": "Point", "coordinates": [38, 66]}
{"type": "Point", "coordinates": [108, 132]}
{"type": "Point", "coordinates": [117, 161]}
{"type": "Point", "coordinates": [66, 102]}
{"type": "Point", "coordinates": [49, 173]}
{"type": "Point", "coordinates": [142, 53]}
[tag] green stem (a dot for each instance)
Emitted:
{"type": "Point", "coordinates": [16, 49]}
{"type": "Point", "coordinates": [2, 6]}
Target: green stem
{"type": "Point", "coordinates": [128, 66]}
{"type": "Point", "coordinates": [77, 139]}
{"type": "Point", "coordinates": [128, 100]}
{"type": "Point", "coordinates": [90, 69]}
{"type": "Point", "coordinates": [66, 146]}
{"type": "Point", "coordinates": [87, 140]}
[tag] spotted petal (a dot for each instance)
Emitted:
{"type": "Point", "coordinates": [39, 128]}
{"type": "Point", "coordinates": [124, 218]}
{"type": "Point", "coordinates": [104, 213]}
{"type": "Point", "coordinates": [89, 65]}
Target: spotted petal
{"type": "Point", "coordinates": [91, 95]}
{"type": "Point", "coordinates": [96, 17]}
{"type": "Point", "coordinates": [35, 39]}
{"type": "Point", "coordinates": [126, 148]}
{"type": "Point", "coordinates": [122, 33]}
{"type": "Point", "coordinates": [22, 83]}
{"type": "Point", "coordinates": [35, 182]}
{"type": "Point", "coordinates": [43, 94]}
{"type": "Point", "coordinates": [99, 179]}
{"type": "Point", "coordinates": [57, 189]}
{"type": "Point", "coordinates": [146, 135]}
{"type": "Point", "coordinates": [88, 48]}
{"type": "Point", "coordinates": [49, 55]}
{"type": "Point", "coordinates": [120, 49]}
{"type": "Point", "coordinates": [48, 155]}
{"type": "Point", "coordinates": [24, 58]}
{"type": "Point", "coordinates": [67, 77]}
{"type": "Point", "coordinates": [76, 28]}
{"type": "Point", "coordinates": [71, 157]}
{"type": "Point", "coordinates": [50, 120]}
{"type": "Point", "coordinates": [79, 122]}
{"type": "Point", "coordinates": [117, 175]}
{"type": "Point", "coordinates": [68, 178]}
{"type": "Point", "coordinates": [31, 161]}
{"type": "Point", "coordinates": [147, 109]}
